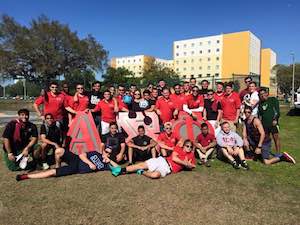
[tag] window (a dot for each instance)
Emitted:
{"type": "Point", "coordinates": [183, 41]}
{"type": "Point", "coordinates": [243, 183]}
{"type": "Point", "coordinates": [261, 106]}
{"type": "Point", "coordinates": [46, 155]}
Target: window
{"type": "Point", "coordinates": [216, 75]}
{"type": "Point", "coordinates": [192, 68]}
{"type": "Point", "coordinates": [208, 67]}
{"type": "Point", "coordinates": [184, 69]}
{"type": "Point", "coordinates": [192, 44]}
{"type": "Point", "coordinates": [217, 67]}
{"type": "Point", "coordinates": [192, 60]}
{"type": "Point", "coordinates": [184, 45]}
{"type": "Point", "coordinates": [134, 60]}
{"type": "Point", "coordinates": [200, 60]}
{"type": "Point", "coordinates": [200, 75]}
{"type": "Point", "coordinates": [177, 46]}
{"type": "Point", "coordinates": [200, 43]}
{"type": "Point", "coordinates": [140, 67]}
{"type": "Point", "coordinates": [184, 53]}
{"type": "Point", "coordinates": [200, 67]}
{"type": "Point", "coordinates": [140, 60]}
{"type": "Point", "coordinates": [208, 75]}
{"type": "Point", "coordinates": [192, 52]}
{"type": "Point", "coordinates": [129, 60]}
{"type": "Point", "coordinates": [208, 42]}
{"type": "Point", "coordinates": [208, 59]}
{"type": "Point", "coordinates": [134, 67]}
{"type": "Point", "coordinates": [177, 69]}
{"type": "Point", "coordinates": [208, 51]}
{"type": "Point", "coordinates": [218, 50]}
{"type": "Point", "coordinates": [218, 41]}
{"type": "Point", "coordinates": [177, 62]}
{"type": "Point", "coordinates": [217, 58]}
{"type": "Point", "coordinates": [184, 76]}
{"type": "Point", "coordinates": [192, 76]}
{"type": "Point", "coordinates": [140, 72]}
{"type": "Point", "coordinates": [200, 51]}
{"type": "Point", "coordinates": [184, 61]}
{"type": "Point", "coordinates": [177, 54]}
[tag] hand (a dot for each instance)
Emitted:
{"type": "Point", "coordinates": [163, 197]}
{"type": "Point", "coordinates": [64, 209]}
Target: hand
{"type": "Point", "coordinates": [11, 157]}
{"type": "Point", "coordinates": [25, 151]}
{"type": "Point", "coordinates": [144, 148]}
{"type": "Point", "coordinates": [119, 157]}
{"type": "Point", "coordinates": [230, 150]}
{"type": "Point", "coordinates": [258, 151]}
{"type": "Point", "coordinates": [274, 122]}
{"type": "Point", "coordinates": [92, 166]}
{"type": "Point", "coordinates": [188, 164]}
{"type": "Point", "coordinates": [56, 146]}
{"type": "Point", "coordinates": [216, 124]}
{"type": "Point", "coordinates": [246, 143]}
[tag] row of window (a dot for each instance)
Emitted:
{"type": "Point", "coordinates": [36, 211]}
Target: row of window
{"type": "Point", "coordinates": [201, 75]}
{"type": "Point", "coordinates": [200, 60]}
{"type": "Point", "coordinates": [200, 52]}
{"type": "Point", "coordinates": [200, 68]}
{"type": "Point", "coordinates": [123, 61]}
{"type": "Point", "coordinates": [200, 44]}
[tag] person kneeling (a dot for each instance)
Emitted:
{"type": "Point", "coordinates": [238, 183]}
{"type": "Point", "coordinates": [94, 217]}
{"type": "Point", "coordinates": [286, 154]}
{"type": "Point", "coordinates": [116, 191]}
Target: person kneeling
{"type": "Point", "coordinates": [230, 146]}
{"type": "Point", "coordinates": [181, 158]}
{"type": "Point", "coordinates": [77, 164]}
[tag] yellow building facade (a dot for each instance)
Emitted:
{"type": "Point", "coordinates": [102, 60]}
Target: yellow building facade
{"type": "Point", "coordinates": [268, 75]}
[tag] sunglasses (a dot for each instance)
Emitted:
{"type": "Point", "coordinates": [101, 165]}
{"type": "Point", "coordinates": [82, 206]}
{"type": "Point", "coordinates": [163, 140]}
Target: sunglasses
{"type": "Point", "coordinates": [168, 128]}
{"type": "Point", "coordinates": [195, 90]}
{"type": "Point", "coordinates": [53, 87]}
{"type": "Point", "coordinates": [188, 146]}
{"type": "Point", "coordinates": [137, 94]}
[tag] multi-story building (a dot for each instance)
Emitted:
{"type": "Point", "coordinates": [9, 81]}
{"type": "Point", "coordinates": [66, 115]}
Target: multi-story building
{"type": "Point", "coordinates": [268, 75]}
{"type": "Point", "coordinates": [138, 63]}
{"type": "Point", "coordinates": [217, 56]}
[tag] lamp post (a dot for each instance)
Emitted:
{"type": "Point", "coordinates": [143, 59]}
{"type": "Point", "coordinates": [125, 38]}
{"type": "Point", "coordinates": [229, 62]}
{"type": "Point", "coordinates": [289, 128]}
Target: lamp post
{"type": "Point", "coordinates": [293, 79]}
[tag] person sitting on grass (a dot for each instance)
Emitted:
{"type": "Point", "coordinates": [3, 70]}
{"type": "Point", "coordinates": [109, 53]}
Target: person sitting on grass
{"type": "Point", "coordinates": [77, 164]}
{"type": "Point", "coordinates": [141, 147]}
{"type": "Point", "coordinates": [182, 157]}
{"type": "Point", "coordinates": [166, 140]}
{"type": "Point", "coordinates": [259, 142]}
{"type": "Point", "coordinates": [114, 142]}
{"type": "Point", "coordinates": [230, 147]}
{"type": "Point", "coordinates": [51, 138]}
{"type": "Point", "coordinates": [19, 143]}
{"type": "Point", "coordinates": [205, 144]}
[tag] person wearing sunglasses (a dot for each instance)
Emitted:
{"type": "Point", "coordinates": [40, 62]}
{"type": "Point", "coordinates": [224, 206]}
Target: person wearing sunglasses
{"type": "Point", "coordinates": [245, 91]}
{"type": "Point", "coordinates": [53, 101]}
{"type": "Point", "coordinates": [194, 103]}
{"type": "Point", "coordinates": [230, 147]}
{"type": "Point", "coordinates": [123, 107]}
{"type": "Point", "coordinates": [182, 157]}
{"type": "Point", "coordinates": [166, 140]}
{"type": "Point", "coordinates": [258, 142]}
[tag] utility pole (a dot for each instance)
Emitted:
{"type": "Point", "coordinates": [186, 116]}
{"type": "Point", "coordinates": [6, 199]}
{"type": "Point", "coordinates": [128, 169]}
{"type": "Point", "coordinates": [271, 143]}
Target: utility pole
{"type": "Point", "coordinates": [24, 85]}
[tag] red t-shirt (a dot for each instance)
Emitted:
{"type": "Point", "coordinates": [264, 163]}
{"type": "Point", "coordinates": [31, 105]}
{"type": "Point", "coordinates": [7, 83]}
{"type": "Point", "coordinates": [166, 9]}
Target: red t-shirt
{"type": "Point", "coordinates": [166, 107]}
{"type": "Point", "coordinates": [107, 110]}
{"type": "Point", "coordinates": [181, 155]}
{"type": "Point", "coordinates": [82, 103]}
{"type": "Point", "coordinates": [169, 140]}
{"type": "Point", "coordinates": [230, 104]}
{"type": "Point", "coordinates": [121, 104]}
{"type": "Point", "coordinates": [218, 97]}
{"type": "Point", "coordinates": [243, 93]}
{"type": "Point", "coordinates": [194, 102]}
{"type": "Point", "coordinates": [179, 100]}
{"type": "Point", "coordinates": [206, 140]}
{"type": "Point", "coordinates": [55, 105]}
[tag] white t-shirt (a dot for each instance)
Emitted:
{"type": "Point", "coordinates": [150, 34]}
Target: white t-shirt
{"type": "Point", "coordinates": [251, 99]}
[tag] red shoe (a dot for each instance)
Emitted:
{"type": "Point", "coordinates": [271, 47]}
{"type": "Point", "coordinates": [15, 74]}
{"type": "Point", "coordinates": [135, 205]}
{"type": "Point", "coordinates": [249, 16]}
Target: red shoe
{"type": "Point", "coordinates": [288, 158]}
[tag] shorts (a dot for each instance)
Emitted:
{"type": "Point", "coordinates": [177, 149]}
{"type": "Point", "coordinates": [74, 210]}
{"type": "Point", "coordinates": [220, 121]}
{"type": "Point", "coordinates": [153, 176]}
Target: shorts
{"type": "Point", "coordinates": [139, 155]}
{"type": "Point", "coordinates": [104, 127]}
{"type": "Point", "coordinates": [160, 165]}
{"type": "Point", "coordinates": [73, 164]}
{"type": "Point", "coordinates": [272, 129]}
{"type": "Point", "coordinates": [265, 148]}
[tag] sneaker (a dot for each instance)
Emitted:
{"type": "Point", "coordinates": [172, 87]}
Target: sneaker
{"type": "Point", "coordinates": [18, 157]}
{"type": "Point", "coordinates": [207, 163]}
{"type": "Point", "coordinates": [115, 171]}
{"type": "Point", "coordinates": [245, 165]}
{"type": "Point", "coordinates": [23, 163]}
{"type": "Point", "coordinates": [235, 165]}
{"type": "Point", "coordinates": [45, 166]}
{"type": "Point", "coordinates": [287, 157]}
{"type": "Point", "coordinates": [140, 172]}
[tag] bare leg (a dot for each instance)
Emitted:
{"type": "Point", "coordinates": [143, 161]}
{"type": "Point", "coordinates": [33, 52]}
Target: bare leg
{"type": "Point", "coordinates": [153, 175]}
{"type": "Point", "coordinates": [153, 152]}
{"type": "Point", "coordinates": [139, 166]}
{"type": "Point", "coordinates": [43, 151]}
{"type": "Point", "coordinates": [208, 152]}
{"type": "Point", "coordinates": [240, 153]}
{"type": "Point", "coordinates": [227, 155]}
{"type": "Point", "coordinates": [201, 155]}
{"type": "Point", "coordinates": [44, 174]}
{"type": "Point", "coordinates": [277, 142]}
{"type": "Point", "coordinates": [130, 154]}
{"type": "Point", "coordinates": [163, 152]}
{"type": "Point", "coordinates": [59, 152]}
{"type": "Point", "coordinates": [271, 161]}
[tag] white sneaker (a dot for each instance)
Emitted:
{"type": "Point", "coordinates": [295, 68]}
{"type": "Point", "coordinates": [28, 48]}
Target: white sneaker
{"type": "Point", "coordinates": [23, 163]}
{"type": "Point", "coordinates": [18, 157]}
{"type": "Point", "coordinates": [45, 166]}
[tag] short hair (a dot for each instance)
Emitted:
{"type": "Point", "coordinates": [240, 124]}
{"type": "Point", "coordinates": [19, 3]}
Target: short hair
{"type": "Point", "coordinates": [204, 125]}
{"type": "Point", "coordinates": [253, 82]}
{"type": "Point", "coordinates": [167, 124]}
{"type": "Point", "coordinates": [229, 84]}
{"type": "Point", "coordinates": [220, 83]}
{"type": "Point", "coordinates": [223, 123]}
{"type": "Point", "coordinates": [141, 127]}
{"type": "Point", "coordinates": [193, 78]}
{"type": "Point", "coordinates": [196, 87]}
{"type": "Point", "coordinates": [49, 114]}
{"type": "Point", "coordinates": [187, 141]}
{"type": "Point", "coordinates": [186, 82]}
{"type": "Point", "coordinates": [132, 85]}
{"type": "Point", "coordinates": [121, 85]}
{"type": "Point", "coordinates": [96, 82]}
{"type": "Point", "coordinates": [154, 88]}
{"type": "Point", "coordinates": [23, 111]}
{"type": "Point", "coordinates": [210, 90]}
{"type": "Point", "coordinates": [204, 81]}
{"type": "Point", "coordinates": [264, 89]}
{"type": "Point", "coordinates": [177, 84]}
{"type": "Point", "coordinates": [248, 77]}
{"type": "Point", "coordinates": [161, 80]}
{"type": "Point", "coordinates": [113, 124]}
{"type": "Point", "coordinates": [79, 83]}
{"type": "Point", "coordinates": [53, 83]}
{"type": "Point", "coordinates": [247, 107]}
{"type": "Point", "coordinates": [147, 92]}
{"type": "Point", "coordinates": [106, 90]}
{"type": "Point", "coordinates": [166, 88]}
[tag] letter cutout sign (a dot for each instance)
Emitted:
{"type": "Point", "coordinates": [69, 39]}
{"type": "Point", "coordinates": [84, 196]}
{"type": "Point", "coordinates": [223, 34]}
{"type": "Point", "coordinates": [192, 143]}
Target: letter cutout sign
{"type": "Point", "coordinates": [84, 134]}
{"type": "Point", "coordinates": [130, 125]}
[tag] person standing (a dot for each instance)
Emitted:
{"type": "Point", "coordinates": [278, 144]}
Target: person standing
{"type": "Point", "coordinates": [95, 97]}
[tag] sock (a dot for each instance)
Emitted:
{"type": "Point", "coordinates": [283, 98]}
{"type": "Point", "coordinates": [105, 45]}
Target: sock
{"type": "Point", "coordinates": [20, 177]}
{"type": "Point", "coordinates": [123, 170]}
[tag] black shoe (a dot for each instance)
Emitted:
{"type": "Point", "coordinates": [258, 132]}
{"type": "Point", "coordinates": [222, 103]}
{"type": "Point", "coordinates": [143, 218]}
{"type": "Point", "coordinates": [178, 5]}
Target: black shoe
{"type": "Point", "coordinates": [207, 163]}
{"type": "Point", "coordinates": [235, 165]}
{"type": "Point", "coordinates": [245, 165]}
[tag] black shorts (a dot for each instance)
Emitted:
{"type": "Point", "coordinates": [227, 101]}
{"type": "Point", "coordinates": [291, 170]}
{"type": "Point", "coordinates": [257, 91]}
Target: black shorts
{"type": "Point", "coordinates": [73, 164]}
{"type": "Point", "coordinates": [272, 129]}
{"type": "Point", "coordinates": [139, 155]}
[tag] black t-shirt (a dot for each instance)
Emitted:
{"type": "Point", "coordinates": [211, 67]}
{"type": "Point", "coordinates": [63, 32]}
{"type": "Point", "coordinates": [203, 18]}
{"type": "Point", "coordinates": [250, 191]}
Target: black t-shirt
{"type": "Point", "coordinates": [114, 143]}
{"type": "Point", "coordinates": [53, 133]}
{"type": "Point", "coordinates": [211, 114]}
{"type": "Point", "coordinates": [94, 98]}
{"type": "Point", "coordinates": [150, 103]}
{"type": "Point", "coordinates": [27, 131]}
{"type": "Point", "coordinates": [141, 140]}
{"type": "Point", "coordinates": [203, 92]}
{"type": "Point", "coordinates": [135, 106]}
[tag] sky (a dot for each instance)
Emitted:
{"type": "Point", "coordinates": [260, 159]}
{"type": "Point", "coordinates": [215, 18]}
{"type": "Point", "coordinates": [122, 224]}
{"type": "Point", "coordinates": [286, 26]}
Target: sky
{"type": "Point", "coordinates": [131, 27]}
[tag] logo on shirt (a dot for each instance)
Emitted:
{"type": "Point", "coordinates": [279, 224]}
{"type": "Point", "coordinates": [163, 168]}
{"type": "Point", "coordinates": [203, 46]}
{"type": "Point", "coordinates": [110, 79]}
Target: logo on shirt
{"type": "Point", "coordinates": [97, 162]}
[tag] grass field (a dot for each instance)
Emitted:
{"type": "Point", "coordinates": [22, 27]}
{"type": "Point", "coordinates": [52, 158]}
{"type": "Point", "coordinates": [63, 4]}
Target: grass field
{"type": "Point", "coordinates": [216, 195]}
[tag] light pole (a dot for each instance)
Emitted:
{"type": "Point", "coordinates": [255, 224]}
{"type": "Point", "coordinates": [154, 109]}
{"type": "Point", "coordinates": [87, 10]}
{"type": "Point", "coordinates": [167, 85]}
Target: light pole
{"type": "Point", "coordinates": [293, 79]}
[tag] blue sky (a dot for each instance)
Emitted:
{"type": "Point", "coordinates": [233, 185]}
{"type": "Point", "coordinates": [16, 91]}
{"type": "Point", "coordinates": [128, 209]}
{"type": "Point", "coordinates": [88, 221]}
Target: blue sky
{"type": "Point", "coordinates": [132, 27]}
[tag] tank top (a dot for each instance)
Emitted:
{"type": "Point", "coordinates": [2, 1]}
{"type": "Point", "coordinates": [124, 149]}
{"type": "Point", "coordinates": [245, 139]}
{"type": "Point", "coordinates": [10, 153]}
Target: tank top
{"type": "Point", "coordinates": [252, 131]}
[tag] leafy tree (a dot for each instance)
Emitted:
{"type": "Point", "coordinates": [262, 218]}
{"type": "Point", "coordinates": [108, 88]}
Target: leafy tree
{"type": "Point", "coordinates": [155, 72]}
{"type": "Point", "coordinates": [86, 78]}
{"type": "Point", "coordinates": [46, 49]}
{"type": "Point", "coordinates": [120, 75]}
{"type": "Point", "coordinates": [284, 77]}
{"type": "Point", "coordinates": [32, 89]}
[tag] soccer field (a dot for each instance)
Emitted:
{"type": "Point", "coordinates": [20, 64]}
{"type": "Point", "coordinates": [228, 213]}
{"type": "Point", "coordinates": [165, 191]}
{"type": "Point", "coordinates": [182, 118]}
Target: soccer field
{"type": "Point", "coordinates": [216, 195]}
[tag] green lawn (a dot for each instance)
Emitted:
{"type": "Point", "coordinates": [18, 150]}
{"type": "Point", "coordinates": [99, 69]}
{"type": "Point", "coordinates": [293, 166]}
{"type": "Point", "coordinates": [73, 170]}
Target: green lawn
{"type": "Point", "coordinates": [216, 195]}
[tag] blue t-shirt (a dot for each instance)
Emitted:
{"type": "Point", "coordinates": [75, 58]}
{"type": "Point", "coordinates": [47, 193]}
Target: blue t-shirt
{"type": "Point", "coordinates": [96, 159]}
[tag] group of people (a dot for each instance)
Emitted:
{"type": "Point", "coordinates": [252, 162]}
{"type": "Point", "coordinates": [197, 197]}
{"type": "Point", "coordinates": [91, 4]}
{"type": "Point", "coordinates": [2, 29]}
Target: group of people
{"type": "Point", "coordinates": [222, 109]}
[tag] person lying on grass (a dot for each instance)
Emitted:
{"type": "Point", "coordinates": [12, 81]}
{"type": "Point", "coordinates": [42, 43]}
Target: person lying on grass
{"type": "Point", "coordinates": [181, 158]}
{"type": "Point", "coordinates": [77, 164]}
{"type": "Point", "coordinates": [230, 147]}
{"type": "Point", "coordinates": [258, 142]}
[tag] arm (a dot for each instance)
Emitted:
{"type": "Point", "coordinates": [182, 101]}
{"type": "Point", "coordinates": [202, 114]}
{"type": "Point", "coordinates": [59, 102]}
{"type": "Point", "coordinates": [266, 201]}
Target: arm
{"type": "Point", "coordinates": [10, 155]}
{"type": "Point", "coordinates": [152, 144]}
{"type": "Point", "coordinates": [261, 130]}
{"type": "Point", "coordinates": [83, 158]}
{"type": "Point", "coordinates": [238, 111]}
{"type": "Point", "coordinates": [204, 114]}
{"type": "Point", "coordinates": [184, 163]}
{"type": "Point", "coordinates": [164, 146]}
{"type": "Point", "coordinates": [33, 140]}
{"type": "Point", "coordinates": [36, 108]}
{"type": "Point", "coordinates": [116, 107]}
{"type": "Point", "coordinates": [69, 109]}
{"type": "Point", "coordinates": [75, 98]}
{"type": "Point", "coordinates": [245, 138]}
{"type": "Point", "coordinates": [186, 109]}
{"type": "Point", "coordinates": [132, 145]}
{"type": "Point", "coordinates": [47, 141]}
{"type": "Point", "coordinates": [151, 109]}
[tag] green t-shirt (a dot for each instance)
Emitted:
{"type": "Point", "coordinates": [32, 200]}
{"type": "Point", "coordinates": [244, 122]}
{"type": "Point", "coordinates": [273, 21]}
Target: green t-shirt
{"type": "Point", "coordinates": [268, 111]}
